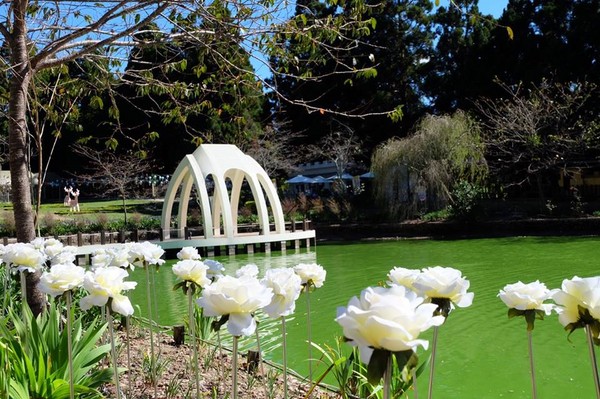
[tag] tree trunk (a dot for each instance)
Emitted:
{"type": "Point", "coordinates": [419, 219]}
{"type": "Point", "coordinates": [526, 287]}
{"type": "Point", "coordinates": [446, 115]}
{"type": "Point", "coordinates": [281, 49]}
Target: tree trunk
{"type": "Point", "coordinates": [17, 141]}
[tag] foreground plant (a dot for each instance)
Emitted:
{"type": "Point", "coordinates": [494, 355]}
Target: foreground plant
{"type": "Point", "coordinates": [62, 279]}
{"type": "Point", "coordinates": [444, 287]}
{"type": "Point", "coordinates": [578, 307]}
{"type": "Point", "coordinates": [385, 323]}
{"type": "Point", "coordinates": [235, 300]}
{"type": "Point", "coordinates": [192, 273]}
{"type": "Point", "coordinates": [312, 276]}
{"type": "Point", "coordinates": [527, 300]}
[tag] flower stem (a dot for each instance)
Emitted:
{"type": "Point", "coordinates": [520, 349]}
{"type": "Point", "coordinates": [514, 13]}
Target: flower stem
{"type": "Point", "coordinates": [432, 365]}
{"type": "Point", "coordinates": [531, 364]}
{"type": "Point", "coordinates": [234, 366]}
{"type": "Point", "coordinates": [310, 374]}
{"type": "Point", "coordinates": [127, 326]}
{"type": "Point", "coordinates": [414, 382]}
{"type": "Point", "coordinates": [194, 344]}
{"type": "Point", "coordinates": [152, 359]}
{"type": "Point", "coordinates": [70, 345]}
{"type": "Point", "coordinates": [590, 341]}
{"type": "Point", "coordinates": [113, 351]}
{"type": "Point", "coordinates": [387, 379]}
{"type": "Point", "coordinates": [285, 384]}
{"type": "Point", "coordinates": [23, 293]}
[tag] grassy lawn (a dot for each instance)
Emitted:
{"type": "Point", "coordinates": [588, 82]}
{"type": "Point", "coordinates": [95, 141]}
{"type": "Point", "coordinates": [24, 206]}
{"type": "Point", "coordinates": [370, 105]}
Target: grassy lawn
{"type": "Point", "coordinates": [113, 209]}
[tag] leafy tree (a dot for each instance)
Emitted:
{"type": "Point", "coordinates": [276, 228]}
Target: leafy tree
{"type": "Point", "coordinates": [418, 173]}
{"type": "Point", "coordinates": [536, 130]}
{"type": "Point", "coordinates": [388, 75]}
{"type": "Point", "coordinates": [44, 35]}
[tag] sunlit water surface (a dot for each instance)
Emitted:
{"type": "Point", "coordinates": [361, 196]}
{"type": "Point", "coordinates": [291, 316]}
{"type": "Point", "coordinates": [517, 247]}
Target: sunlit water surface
{"type": "Point", "coordinates": [481, 353]}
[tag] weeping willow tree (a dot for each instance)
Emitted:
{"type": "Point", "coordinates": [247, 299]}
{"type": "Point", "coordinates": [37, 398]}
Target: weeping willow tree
{"type": "Point", "coordinates": [419, 172]}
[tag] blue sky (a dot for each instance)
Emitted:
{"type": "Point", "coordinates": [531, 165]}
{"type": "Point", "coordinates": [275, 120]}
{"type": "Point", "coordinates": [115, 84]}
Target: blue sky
{"type": "Point", "coordinates": [494, 7]}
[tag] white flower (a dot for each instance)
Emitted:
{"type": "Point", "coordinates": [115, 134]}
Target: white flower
{"type": "Point", "coordinates": [311, 274]}
{"type": "Point", "coordinates": [238, 298]}
{"type": "Point", "coordinates": [215, 269]}
{"type": "Point", "coordinates": [146, 253]}
{"type": "Point", "coordinates": [286, 286]}
{"type": "Point", "coordinates": [403, 276]}
{"type": "Point", "coordinates": [61, 278]}
{"type": "Point", "coordinates": [52, 247]}
{"type": "Point", "coordinates": [575, 294]}
{"type": "Point", "coordinates": [388, 319]}
{"type": "Point", "coordinates": [100, 258]}
{"type": "Point", "coordinates": [529, 296]}
{"type": "Point", "coordinates": [105, 283]}
{"type": "Point", "coordinates": [444, 282]}
{"type": "Point", "coordinates": [119, 257]}
{"type": "Point", "coordinates": [24, 257]}
{"type": "Point", "coordinates": [192, 270]}
{"type": "Point", "coordinates": [250, 270]}
{"type": "Point", "coordinates": [188, 253]}
{"type": "Point", "coordinates": [65, 256]}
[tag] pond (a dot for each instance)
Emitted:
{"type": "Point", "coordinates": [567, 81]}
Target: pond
{"type": "Point", "coordinates": [481, 353]}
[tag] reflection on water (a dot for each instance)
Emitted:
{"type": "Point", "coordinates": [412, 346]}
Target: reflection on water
{"type": "Point", "coordinates": [481, 353]}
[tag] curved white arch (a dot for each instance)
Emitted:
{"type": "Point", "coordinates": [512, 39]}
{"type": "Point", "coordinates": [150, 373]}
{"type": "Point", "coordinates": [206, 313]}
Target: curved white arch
{"type": "Point", "coordinates": [222, 161]}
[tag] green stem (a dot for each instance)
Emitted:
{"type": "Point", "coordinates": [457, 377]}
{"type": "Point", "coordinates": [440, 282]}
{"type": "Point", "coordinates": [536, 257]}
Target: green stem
{"type": "Point", "coordinates": [113, 350]}
{"type": "Point", "coordinates": [590, 341]}
{"type": "Point", "coordinates": [387, 379]}
{"type": "Point", "coordinates": [531, 364]}
{"type": "Point", "coordinates": [432, 366]}
{"type": "Point", "coordinates": [414, 382]}
{"type": "Point", "coordinates": [234, 366]}
{"type": "Point", "coordinates": [192, 324]}
{"type": "Point", "coordinates": [152, 359]}
{"type": "Point", "coordinates": [127, 326]}
{"type": "Point", "coordinates": [285, 383]}
{"type": "Point", "coordinates": [70, 344]}
{"type": "Point", "coordinates": [23, 292]}
{"type": "Point", "coordinates": [310, 373]}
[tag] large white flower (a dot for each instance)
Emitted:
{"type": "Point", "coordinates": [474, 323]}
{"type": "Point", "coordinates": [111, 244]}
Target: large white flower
{"type": "Point", "coordinates": [444, 283]}
{"type": "Point", "coordinates": [575, 294]}
{"type": "Point", "coordinates": [311, 274]}
{"type": "Point", "coordinates": [192, 270]}
{"type": "Point", "coordinates": [104, 283]}
{"type": "Point", "coordinates": [146, 253]}
{"type": "Point", "coordinates": [24, 257]}
{"type": "Point", "coordinates": [286, 286]}
{"type": "Point", "coordinates": [388, 319]}
{"type": "Point", "coordinates": [100, 258]}
{"type": "Point", "coordinates": [188, 253]}
{"type": "Point", "coordinates": [250, 270]}
{"type": "Point", "coordinates": [52, 247]}
{"type": "Point", "coordinates": [403, 276]}
{"type": "Point", "coordinates": [65, 256]}
{"type": "Point", "coordinates": [61, 278]}
{"type": "Point", "coordinates": [529, 296]}
{"type": "Point", "coordinates": [237, 297]}
{"type": "Point", "coordinates": [119, 257]}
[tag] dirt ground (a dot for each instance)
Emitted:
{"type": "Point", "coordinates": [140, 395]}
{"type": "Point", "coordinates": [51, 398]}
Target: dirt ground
{"type": "Point", "coordinates": [175, 374]}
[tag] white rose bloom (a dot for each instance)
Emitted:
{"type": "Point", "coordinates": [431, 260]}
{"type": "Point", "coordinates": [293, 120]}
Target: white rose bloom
{"type": "Point", "coordinates": [575, 293]}
{"type": "Point", "coordinates": [311, 274]}
{"type": "Point", "coordinates": [403, 276]}
{"type": "Point", "coordinates": [52, 247]}
{"type": "Point", "coordinates": [38, 243]}
{"type": "Point", "coordinates": [388, 319]}
{"type": "Point", "coordinates": [100, 259]}
{"type": "Point", "coordinates": [192, 270]}
{"type": "Point", "coordinates": [444, 282]}
{"type": "Point", "coordinates": [529, 296]}
{"type": "Point", "coordinates": [119, 257]}
{"type": "Point", "coordinates": [215, 269]}
{"type": "Point", "coordinates": [24, 257]}
{"type": "Point", "coordinates": [237, 297]}
{"type": "Point", "coordinates": [286, 286]}
{"type": "Point", "coordinates": [250, 270]}
{"type": "Point", "coordinates": [146, 253]}
{"type": "Point", "coordinates": [105, 283]}
{"type": "Point", "coordinates": [61, 278]}
{"type": "Point", "coordinates": [66, 256]}
{"type": "Point", "coordinates": [188, 253]}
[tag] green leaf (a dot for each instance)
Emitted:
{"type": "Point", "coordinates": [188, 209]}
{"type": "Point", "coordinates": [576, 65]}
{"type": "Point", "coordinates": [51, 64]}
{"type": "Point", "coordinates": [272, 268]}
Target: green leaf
{"type": "Point", "coordinates": [406, 358]}
{"type": "Point", "coordinates": [530, 318]}
{"type": "Point", "coordinates": [377, 365]}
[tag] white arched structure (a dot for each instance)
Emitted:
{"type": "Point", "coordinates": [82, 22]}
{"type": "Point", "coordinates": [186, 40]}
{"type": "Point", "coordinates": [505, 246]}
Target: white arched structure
{"type": "Point", "coordinates": [228, 167]}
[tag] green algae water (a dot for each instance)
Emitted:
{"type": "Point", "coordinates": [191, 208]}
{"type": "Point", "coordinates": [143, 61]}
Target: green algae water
{"type": "Point", "coordinates": [481, 353]}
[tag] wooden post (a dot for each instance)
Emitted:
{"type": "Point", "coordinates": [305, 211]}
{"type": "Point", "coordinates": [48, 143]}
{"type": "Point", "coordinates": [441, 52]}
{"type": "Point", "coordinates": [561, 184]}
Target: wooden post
{"type": "Point", "coordinates": [103, 237]}
{"type": "Point", "coordinates": [179, 335]}
{"type": "Point", "coordinates": [79, 239]}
